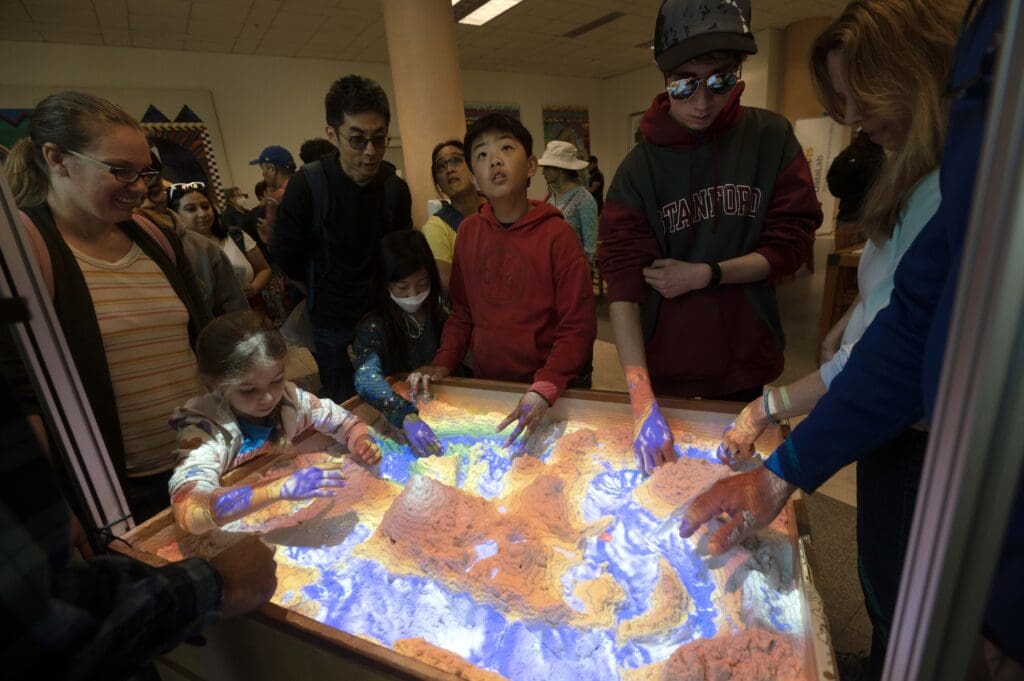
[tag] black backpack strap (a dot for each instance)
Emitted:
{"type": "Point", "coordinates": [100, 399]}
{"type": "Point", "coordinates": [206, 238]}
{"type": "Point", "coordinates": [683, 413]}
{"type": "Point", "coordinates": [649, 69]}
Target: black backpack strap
{"type": "Point", "coordinates": [316, 179]}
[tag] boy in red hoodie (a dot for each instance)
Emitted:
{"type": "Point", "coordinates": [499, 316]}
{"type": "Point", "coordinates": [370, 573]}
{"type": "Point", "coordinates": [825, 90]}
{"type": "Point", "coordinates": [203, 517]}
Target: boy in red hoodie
{"type": "Point", "coordinates": [521, 291]}
{"type": "Point", "coordinates": [704, 213]}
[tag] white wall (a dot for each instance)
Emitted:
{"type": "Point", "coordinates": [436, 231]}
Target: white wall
{"type": "Point", "coordinates": [258, 101]}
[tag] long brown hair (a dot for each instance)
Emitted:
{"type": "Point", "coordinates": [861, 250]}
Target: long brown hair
{"type": "Point", "coordinates": [71, 121]}
{"type": "Point", "coordinates": [896, 57]}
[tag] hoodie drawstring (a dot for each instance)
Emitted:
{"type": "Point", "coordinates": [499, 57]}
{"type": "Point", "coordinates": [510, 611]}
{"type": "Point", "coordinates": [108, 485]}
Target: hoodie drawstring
{"type": "Point", "coordinates": [714, 186]}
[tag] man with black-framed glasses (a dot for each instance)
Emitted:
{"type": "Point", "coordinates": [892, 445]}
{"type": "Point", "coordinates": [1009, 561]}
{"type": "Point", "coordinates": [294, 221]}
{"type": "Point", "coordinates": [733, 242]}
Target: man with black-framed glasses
{"type": "Point", "coordinates": [714, 204]}
{"type": "Point", "coordinates": [331, 219]}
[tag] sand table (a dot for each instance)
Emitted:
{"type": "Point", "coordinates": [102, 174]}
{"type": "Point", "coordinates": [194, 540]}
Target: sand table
{"type": "Point", "coordinates": [554, 560]}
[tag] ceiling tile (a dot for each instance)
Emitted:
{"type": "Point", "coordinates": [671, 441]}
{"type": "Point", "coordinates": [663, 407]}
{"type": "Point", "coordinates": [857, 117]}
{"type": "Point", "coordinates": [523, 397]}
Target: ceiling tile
{"type": "Point", "coordinates": [111, 13]}
{"type": "Point", "coordinates": [10, 32]}
{"type": "Point", "coordinates": [287, 35]}
{"type": "Point", "coordinates": [10, 13]}
{"type": "Point", "coordinates": [158, 24]}
{"type": "Point", "coordinates": [64, 17]}
{"type": "Point", "coordinates": [218, 31]}
{"type": "Point", "coordinates": [80, 4]}
{"type": "Point", "coordinates": [243, 4]}
{"type": "Point", "coordinates": [202, 11]}
{"type": "Point", "coordinates": [252, 32]}
{"type": "Point", "coordinates": [297, 20]}
{"type": "Point", "coordinates": [163, 8]}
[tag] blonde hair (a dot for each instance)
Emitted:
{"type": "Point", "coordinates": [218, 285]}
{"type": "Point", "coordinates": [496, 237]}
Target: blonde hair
{"type": "Point", "coordinates": [71, 121]}
{"type": "Point", "coordinates": [896, 55]}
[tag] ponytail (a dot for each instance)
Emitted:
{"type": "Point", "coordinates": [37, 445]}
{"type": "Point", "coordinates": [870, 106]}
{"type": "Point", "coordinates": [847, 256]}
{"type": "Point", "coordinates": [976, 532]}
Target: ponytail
{"type": "Point", "coordinates": [71, 121]}
{"type": "Point", "coordinates": [26, 174]}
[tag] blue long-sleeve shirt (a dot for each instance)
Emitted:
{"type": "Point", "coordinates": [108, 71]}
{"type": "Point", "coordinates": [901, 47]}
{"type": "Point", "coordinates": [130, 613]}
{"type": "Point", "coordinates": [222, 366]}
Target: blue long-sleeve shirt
{"type": "Point", "coordinates": [891, 379]}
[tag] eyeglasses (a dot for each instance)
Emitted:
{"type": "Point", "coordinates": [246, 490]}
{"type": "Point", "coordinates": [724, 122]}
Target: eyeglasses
{"type": "Point", "coordinates": [359, 142]}
{"type": "Point", "coordinates": [120, 173]}
{"type": "Point", "coordinates": [717, 83]}
{"type": "Point", "coordinates": [450, 163]}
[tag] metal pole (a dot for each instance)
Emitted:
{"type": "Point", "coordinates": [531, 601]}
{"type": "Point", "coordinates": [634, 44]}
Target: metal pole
{"type": "Point", "coordinates": [976, 449]}
{"type": "Point", "coordinates": [44, 351]}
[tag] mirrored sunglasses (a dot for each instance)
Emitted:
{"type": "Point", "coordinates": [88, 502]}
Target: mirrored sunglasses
{"type": "Point", "coordinates": [717, 83]}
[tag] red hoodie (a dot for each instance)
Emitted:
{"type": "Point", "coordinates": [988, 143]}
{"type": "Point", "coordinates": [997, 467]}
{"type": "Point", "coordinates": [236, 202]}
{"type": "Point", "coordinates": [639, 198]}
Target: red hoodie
{"type": "Point", "coordinates": [522, 300]}
{"type": "Point", "coordinates": [742, 186]}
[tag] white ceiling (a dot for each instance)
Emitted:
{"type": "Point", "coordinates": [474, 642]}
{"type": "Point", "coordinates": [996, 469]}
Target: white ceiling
{"type": "Point", "coordinates": [526, 39]}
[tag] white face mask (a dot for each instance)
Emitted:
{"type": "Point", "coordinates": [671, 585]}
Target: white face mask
{"type": "Point", "coordinates": [412, 303]}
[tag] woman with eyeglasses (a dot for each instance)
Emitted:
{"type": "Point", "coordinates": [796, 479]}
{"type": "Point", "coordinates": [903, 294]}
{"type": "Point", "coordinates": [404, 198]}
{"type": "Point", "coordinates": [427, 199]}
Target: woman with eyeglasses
{"type": "Point", "coordinates": [712, 206]}
{"type": "Point", "coordinates": [452, 179]}
{"type": "Point", "coordinates": [193, 202]}
{"type": "Point", "coordinates": [896, 97]}
{"type": "Point", "coordinates": [123, 291]}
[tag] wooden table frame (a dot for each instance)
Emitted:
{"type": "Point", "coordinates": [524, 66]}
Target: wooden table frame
{"type": "Point", "coordinates": [819, 663]}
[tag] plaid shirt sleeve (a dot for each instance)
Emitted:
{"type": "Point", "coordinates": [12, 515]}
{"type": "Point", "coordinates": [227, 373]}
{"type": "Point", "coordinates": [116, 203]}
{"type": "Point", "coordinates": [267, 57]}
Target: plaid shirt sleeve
{"type": "Point", "coordinates": [102, 617]}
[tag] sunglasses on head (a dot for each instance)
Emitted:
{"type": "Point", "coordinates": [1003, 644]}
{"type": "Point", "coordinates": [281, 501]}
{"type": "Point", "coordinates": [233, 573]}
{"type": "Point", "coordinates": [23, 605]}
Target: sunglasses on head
{"type": "Point", "coordinates": [716, 83]}
{"type": "Point", "coordinates": [179, 189]}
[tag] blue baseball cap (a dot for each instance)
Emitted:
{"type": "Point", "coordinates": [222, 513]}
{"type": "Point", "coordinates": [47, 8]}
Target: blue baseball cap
{"type": "Point", "coordinates": [275, 155]}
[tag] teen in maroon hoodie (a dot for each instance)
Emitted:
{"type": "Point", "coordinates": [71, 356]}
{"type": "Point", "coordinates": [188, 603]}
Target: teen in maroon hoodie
{"type": "Point", "coordinates": [704, 213]}
{"type": "Point", "coordinates": [521, 291]}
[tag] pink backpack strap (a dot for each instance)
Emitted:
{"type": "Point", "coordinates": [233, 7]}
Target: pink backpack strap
{"type": "Point", "coordinates": [156, 234]}
{"type": "Point", "coordinates": [40, 249]}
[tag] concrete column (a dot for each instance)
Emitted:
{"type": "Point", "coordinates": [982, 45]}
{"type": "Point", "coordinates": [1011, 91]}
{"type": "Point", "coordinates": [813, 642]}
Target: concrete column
{"type": "Point", "coordinates": [423, 49]}
{"type": "Point", "coordinates": [798, 97]}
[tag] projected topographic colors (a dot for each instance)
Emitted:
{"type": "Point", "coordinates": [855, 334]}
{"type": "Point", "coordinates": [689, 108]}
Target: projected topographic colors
{"type": "Point", "coordinates": [558, 561]}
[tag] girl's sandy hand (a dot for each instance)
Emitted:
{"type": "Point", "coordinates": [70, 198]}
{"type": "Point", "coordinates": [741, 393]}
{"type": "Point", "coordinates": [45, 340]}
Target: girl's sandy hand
{"type": "Point", "coordinates": [308, 483]}
{"type": "Point", "coordinates": [362, 445]}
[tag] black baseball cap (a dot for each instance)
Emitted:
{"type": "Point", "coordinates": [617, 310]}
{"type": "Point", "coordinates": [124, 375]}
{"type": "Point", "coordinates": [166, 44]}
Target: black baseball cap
{"type": "Point", "coordinates": [689, 28]}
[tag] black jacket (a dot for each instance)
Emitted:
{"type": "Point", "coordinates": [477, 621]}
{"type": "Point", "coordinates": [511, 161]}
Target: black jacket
{"type": "Point", "coordinates": [344, 254]}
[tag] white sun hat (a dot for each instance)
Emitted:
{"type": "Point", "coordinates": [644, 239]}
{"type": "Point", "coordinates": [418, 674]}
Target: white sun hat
{"type": "Point", "coordinates": [562, 155]}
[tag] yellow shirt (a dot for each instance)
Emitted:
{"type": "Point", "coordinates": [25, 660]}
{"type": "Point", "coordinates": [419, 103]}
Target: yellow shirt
{"type": "Point", "coordinates": [441, 238]}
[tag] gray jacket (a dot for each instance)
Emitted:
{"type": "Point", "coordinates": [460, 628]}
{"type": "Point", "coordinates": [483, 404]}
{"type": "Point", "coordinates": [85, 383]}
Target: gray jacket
{"type": "Point", "coordinates": [215, 276]}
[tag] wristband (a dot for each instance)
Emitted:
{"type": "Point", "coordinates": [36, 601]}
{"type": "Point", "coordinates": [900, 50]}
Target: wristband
{"type": "Point", "coordinates": [716, 275]}
{"type": "Point", "coordinates": [767, 409]}
{"type": "Point", "coordinates": [786, 404]}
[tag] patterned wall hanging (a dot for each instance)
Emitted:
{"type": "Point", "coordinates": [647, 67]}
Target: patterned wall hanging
{"type": "Point", "coordinates": [568, 124]}
{"type": "Point", "coordinates": [475, 112]}
{"type": "Point", "coordinates": [186, 152]}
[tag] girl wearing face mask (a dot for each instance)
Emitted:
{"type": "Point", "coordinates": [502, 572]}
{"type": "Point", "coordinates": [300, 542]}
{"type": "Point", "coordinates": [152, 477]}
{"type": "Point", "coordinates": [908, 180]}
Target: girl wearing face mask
{"type": "Point", "coordinates": [401, 331]}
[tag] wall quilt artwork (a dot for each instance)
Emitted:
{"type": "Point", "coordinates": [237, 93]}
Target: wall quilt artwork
{"type": "Point", "coordinates": [13, 126]}
{"type": "Point", "coordinates": [185, 148]}
{"type": "Point", "coordinates": [568, 124]}
{"type": "Point", "coordinates": [474, 112]}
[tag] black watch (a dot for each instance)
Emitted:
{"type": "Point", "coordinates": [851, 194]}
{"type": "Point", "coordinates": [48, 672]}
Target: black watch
{"type": "Point", "coordinates": [716, 275]}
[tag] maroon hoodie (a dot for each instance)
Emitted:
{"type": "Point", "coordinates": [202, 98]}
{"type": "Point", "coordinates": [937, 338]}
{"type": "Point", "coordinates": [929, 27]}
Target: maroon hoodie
{"type": "Point", "coordinates": [742, 186]}
{"type": "Point", "coordinates": [522, 300]}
